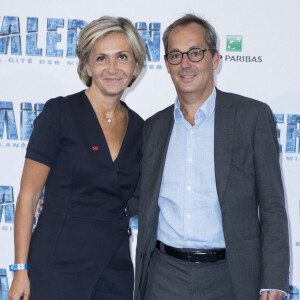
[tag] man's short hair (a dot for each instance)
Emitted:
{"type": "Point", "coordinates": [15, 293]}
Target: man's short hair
{"type": "Point", "coordinates": [210, 33]}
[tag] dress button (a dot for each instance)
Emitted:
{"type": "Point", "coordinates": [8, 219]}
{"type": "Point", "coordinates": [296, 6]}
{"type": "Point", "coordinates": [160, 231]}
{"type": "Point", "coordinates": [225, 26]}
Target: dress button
{"type": "Point", "coordinates": [129, 231]}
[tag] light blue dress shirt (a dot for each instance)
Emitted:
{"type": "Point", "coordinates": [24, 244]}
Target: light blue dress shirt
{"type": "Point", "coordinates": [190, 214]}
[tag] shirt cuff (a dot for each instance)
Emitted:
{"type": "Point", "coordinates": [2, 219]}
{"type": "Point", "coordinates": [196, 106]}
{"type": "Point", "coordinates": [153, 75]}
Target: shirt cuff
{"type": "Point", "coordinates": [265, 290]}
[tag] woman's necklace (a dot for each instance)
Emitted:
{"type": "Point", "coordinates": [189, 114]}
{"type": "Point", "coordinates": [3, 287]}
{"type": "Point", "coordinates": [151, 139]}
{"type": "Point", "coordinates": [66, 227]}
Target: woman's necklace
{"type": "Point", "coordinates": [110, 119]}
{"type": "Point", "coordinates": [98, 111]}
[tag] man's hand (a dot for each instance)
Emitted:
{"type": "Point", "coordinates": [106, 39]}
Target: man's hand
{"type": "Point", "coordinates": [271, 295]}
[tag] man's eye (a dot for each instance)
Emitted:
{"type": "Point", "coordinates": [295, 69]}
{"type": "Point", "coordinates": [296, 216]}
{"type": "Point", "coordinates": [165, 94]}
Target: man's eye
{"type": "Point", "coordinates": [176, 55]}
{"type": "Point", "coordinates": [122, 57]}
{"type": "Point", "coordinates": [195, 53]}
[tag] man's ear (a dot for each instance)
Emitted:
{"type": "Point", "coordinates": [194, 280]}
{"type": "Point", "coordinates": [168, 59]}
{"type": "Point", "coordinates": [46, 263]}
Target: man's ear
{"type": "Point", "coordinates": [216, 59]}
{"type": "Point", "coordinates": [167, 65]}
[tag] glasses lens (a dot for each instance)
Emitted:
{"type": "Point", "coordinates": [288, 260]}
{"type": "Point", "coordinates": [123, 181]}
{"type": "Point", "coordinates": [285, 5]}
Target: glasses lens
{"type": "Point", "coordinates": [174, 58]}
{"type": "Point", "coordinates": [195, 54]}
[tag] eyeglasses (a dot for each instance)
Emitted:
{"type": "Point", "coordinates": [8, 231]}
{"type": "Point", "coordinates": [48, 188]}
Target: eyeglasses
{"type": "Point", "coordinates": [194, 55]}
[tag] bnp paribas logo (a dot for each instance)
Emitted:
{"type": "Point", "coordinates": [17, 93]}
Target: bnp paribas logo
{"type": "Point", "coordinates": [234, 43]}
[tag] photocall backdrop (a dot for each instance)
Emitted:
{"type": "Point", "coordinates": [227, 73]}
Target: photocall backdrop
{"type": "Point", "coordinates": [259, 42]}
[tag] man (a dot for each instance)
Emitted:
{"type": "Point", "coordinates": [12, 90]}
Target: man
{"type": "Point", "coordinates": [212, 221]}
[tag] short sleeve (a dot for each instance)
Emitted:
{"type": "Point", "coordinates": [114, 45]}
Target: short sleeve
{"type": "Point", "coordinates": [45, 141]}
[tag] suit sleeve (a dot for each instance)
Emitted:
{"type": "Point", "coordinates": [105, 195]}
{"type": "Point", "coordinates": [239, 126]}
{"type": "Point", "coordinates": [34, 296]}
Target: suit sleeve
{"type": "Point", "coordinates": [133, 202]}
{"type": "Point", "coordinates": [270, 197]}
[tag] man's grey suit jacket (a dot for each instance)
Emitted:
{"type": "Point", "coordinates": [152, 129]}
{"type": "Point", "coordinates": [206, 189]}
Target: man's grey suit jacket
{"type": "Point", "coordinates": [248, 180]}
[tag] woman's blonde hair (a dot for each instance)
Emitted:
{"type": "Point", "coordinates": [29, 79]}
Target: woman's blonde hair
{"type": "Point", "coordinates": [100, 28]}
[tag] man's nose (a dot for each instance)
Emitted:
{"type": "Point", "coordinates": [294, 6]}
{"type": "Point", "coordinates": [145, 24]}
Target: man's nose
{"type": "Point", "coordinates": [185, 63]}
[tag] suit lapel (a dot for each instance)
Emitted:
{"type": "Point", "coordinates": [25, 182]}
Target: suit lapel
{"type": "Point", "coordinates": [160, 142]}
{"type": "Point", "coordinates": [163, 137]}
{"type": "Point", "coordinates": [223, 135]}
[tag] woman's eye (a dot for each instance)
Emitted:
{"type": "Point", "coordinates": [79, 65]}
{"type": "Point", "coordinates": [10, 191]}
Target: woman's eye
{"type": "Point", "coordinates": [122, 57]}
{"type": "Point", "coordinates": [100, 58]}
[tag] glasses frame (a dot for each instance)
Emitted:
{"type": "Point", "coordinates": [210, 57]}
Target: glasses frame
{"type": "Point", "coordinates": [187, 54]}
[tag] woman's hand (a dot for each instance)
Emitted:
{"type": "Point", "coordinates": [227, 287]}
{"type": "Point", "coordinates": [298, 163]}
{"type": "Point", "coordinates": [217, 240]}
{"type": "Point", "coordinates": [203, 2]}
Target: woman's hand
{"type": "Point", "coordinates": [20, 286]}
{"type": "Point", "coordinates": [33, 180]}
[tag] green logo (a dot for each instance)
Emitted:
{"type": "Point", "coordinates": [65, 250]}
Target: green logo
{"type": "Point", "coordinates": [234, 43]}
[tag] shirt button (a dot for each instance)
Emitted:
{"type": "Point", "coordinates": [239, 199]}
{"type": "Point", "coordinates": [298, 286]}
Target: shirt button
{"type": "Point", "coordinates": [190, 159]}
{"type": "Point", "coordinates": [188, 188]}
{"type": "Point", "coordinates": [191, 131]}
{"type": "Point", "coordinates": [188, 243]}
{"type": "Point", "coordinates": [188, 216]}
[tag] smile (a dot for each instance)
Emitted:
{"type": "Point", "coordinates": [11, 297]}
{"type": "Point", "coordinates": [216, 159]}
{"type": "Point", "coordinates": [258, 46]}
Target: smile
{"type": "Point", "coordinates": [187, 77]}
{"type": "Point", "coordinates": [113, 80]}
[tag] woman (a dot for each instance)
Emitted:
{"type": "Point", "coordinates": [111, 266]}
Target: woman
{"type": "Point", "coordinates": [86, 149]}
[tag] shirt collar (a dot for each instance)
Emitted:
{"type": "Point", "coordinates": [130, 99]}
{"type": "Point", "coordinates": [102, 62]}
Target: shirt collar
{"type": "Point", "coordinates": [207, 108]}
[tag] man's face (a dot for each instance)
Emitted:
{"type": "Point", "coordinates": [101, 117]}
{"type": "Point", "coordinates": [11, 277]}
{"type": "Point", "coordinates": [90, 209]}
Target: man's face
{"type": "Point", "coordinates": [191, 78]}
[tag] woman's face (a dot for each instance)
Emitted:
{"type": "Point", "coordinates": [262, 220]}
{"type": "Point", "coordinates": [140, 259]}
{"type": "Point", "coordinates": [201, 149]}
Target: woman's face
{"type": "Point", "coordinates": [111, 65]}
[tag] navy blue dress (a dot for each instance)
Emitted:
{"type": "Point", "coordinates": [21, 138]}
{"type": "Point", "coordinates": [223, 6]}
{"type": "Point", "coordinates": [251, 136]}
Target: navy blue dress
{"type": "Point", "coordinates": [79, 249]}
